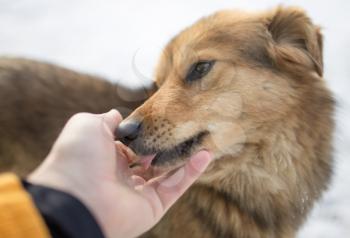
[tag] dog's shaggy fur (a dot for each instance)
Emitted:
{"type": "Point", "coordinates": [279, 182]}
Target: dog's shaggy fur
{"type": "Point", "coordinates": [263, 110]}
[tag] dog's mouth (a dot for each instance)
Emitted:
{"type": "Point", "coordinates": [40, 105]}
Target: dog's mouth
{"type": "Point", "coordinates": [180, 151]}
{"type": "Point", "coordinates": [166, 159]}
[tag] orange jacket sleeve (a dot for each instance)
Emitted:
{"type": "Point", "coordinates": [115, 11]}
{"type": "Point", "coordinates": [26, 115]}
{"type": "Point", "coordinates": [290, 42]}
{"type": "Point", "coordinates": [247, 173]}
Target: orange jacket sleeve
{"type": "Point", "coordinates": [18, 215]}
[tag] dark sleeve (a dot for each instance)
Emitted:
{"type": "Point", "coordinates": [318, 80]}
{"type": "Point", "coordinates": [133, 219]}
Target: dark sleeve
{"type": "Point", "coordinates": [65, 215]}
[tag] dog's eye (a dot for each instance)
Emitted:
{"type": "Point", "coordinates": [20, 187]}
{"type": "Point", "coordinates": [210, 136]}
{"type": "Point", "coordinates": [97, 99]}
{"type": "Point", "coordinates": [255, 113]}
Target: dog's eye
{"type": "Point", "coordinates": [199, 70]}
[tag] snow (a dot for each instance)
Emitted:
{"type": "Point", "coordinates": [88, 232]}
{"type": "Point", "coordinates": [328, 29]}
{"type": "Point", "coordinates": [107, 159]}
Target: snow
{"type": "Point", "coordinates": [108, 37]}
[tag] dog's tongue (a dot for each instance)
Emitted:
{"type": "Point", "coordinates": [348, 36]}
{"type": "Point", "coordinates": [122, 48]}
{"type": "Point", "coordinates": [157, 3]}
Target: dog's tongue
{"type": "Point", "coordinates": [132, 158]}
{"type": "Point", "coordinates": [145, 161]}
{"type": "Point", "coordinates": [139, 165]}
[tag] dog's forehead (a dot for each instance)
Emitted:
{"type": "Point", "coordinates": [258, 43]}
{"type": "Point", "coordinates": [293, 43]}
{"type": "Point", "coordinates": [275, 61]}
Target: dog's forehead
{"type": "Point", "coordinates": [227, 31]}
{"type": "Point", "coordinates": [226, 35]}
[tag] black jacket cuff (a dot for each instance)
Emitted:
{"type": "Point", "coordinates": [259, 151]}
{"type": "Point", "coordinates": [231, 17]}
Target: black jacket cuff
{"type": "Point", "coordinates": [65, 215]}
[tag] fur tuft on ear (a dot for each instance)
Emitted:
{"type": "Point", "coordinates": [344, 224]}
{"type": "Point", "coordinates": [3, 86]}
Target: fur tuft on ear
{"type": "Point", "coordinates": [296, 41]}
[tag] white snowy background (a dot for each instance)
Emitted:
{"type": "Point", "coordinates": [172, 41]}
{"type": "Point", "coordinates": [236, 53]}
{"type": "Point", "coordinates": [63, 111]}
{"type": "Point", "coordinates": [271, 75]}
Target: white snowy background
{"type": "Point", "coordinates": [103, 38]}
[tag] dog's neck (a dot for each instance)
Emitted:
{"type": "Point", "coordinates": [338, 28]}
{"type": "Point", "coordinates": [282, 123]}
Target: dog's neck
{"type": "Point", "coordinates": [265, 182]}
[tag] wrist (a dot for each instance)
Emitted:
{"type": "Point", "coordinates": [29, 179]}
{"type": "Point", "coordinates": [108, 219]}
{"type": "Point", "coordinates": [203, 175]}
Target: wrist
{"type": "Point", "coordinates": [64, 214]}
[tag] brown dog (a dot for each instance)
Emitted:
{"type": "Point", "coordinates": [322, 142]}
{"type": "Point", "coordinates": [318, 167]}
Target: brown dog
{"type": "Point", "coordinates": [247, 87]}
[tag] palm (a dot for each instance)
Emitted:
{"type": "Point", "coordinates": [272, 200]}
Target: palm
{"type": "Point", "coordinates": [86, 162]}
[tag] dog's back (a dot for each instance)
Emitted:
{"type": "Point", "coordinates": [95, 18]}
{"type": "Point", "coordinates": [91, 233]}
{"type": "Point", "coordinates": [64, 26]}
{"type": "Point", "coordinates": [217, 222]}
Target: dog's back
{"type": "Point", "coordinates": [37, 98]}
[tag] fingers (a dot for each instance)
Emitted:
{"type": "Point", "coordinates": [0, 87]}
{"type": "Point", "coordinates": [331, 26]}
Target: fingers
{"type": "Point", "coordinates": [124, 173]}
{"type": "Point", "coordinates": [171, 188]}
{"type": "Point", "coordinates": [137, 180]}
{"type": "Point", "coordinates": [122, 157]}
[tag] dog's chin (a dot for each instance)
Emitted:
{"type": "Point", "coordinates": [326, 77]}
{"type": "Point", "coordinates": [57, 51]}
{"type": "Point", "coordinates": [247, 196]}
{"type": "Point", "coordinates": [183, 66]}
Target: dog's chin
{"type": "Point", "coordinates": [161, 161]}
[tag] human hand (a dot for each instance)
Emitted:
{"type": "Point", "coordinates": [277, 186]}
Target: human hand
{"type": "Point", "coordinates": [85, 162]}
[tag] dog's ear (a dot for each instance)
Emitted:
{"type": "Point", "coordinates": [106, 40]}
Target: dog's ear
{"type": "Point", "coordinates": [295, 41]}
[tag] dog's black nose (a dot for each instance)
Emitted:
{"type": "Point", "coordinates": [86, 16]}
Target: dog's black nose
{"type": "Point", "coordinates": [128, 131]}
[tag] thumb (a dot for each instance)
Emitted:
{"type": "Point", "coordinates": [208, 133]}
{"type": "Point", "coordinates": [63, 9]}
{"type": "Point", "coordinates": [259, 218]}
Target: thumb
{"type": "Point", "coordinates": [112, 119]}
{"type": "Point", "coordinates": [171, 188]}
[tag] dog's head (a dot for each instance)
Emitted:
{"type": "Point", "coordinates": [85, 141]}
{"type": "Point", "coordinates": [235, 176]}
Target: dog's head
{"type": "Point", "coordinates": [223, 79]}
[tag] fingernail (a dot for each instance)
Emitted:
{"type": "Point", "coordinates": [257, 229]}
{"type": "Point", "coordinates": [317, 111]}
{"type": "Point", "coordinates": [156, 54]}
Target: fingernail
{"type": "Point", "coordinates": [201, 160]}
